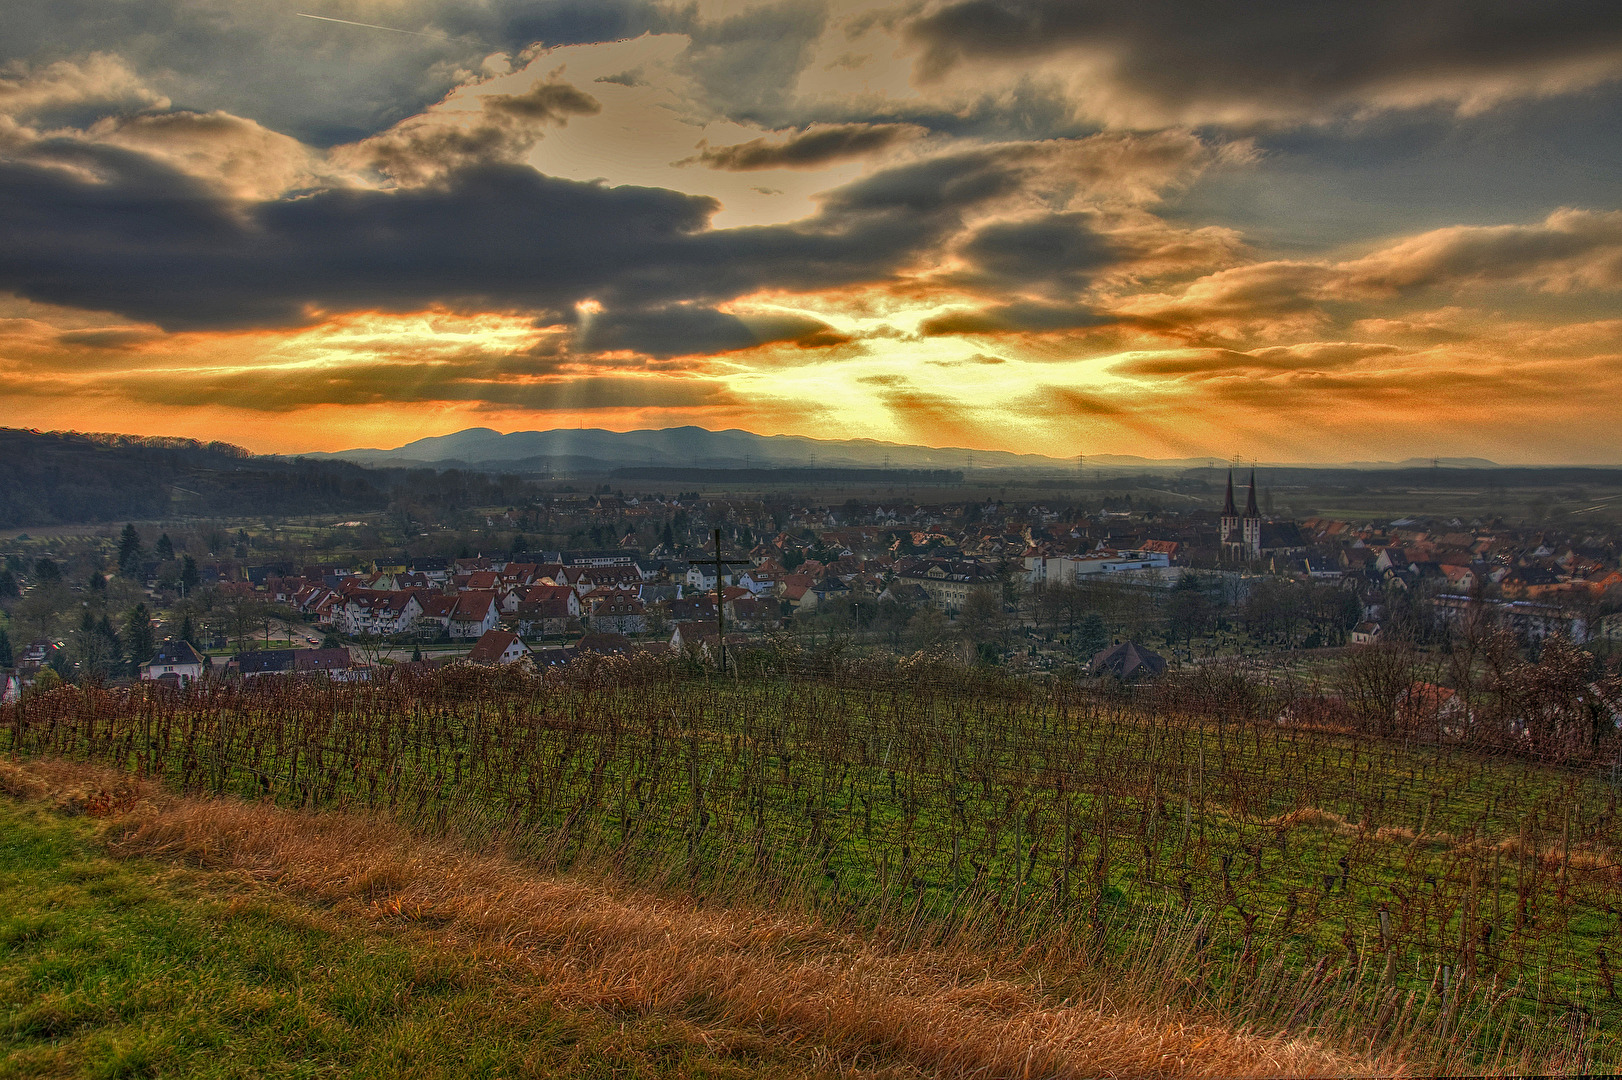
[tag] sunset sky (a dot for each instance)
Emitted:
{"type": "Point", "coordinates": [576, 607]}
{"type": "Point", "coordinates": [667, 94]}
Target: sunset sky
{"type": "Point", "coordinates": [1332, 231]}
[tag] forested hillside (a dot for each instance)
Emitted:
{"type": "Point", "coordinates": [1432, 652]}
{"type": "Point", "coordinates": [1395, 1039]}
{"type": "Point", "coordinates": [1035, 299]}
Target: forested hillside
{"type": "Point", "coordinates": [59, 477]}
{"type": "Point", "coordinates": [63, 477]}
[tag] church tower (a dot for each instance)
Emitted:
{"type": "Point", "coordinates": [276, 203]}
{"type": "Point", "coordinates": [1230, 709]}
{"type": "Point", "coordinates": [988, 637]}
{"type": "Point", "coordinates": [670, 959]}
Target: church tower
{"type": "Point", "coordinates": [1252, 523]}
{"type": "Point", "coordinates": [1230, 515]}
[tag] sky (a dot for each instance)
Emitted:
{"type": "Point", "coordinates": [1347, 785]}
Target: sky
{"type": "Point", "coordinates": [1352, 230]}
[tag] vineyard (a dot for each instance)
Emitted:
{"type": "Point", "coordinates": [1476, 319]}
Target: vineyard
{"type": "Point", "coordinates": [1447, 904]}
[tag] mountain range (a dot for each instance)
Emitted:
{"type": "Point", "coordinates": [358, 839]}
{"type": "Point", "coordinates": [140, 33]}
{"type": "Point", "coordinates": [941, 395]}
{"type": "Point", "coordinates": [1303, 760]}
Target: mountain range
{"type": "Point", "coordinates": [585, 450]}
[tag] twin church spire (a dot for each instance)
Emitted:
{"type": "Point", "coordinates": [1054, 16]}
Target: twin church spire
{"type": "Point", "coordinates": [1241, 536]}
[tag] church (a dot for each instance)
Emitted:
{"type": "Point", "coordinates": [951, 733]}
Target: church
{"type": "Point", "coordinates": [1249, 538]}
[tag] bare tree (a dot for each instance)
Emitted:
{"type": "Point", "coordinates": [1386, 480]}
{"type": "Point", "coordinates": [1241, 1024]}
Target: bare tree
{"type": "Point", "coordinates": [1561, 702]}
{"type": "Point", "coordinates": [1376, 681]}
{"type": "Point", "coordinates": [982, 620]}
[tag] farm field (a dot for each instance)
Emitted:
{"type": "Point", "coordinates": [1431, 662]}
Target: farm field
{"type": "Point", "coordinates": [1442, 905]}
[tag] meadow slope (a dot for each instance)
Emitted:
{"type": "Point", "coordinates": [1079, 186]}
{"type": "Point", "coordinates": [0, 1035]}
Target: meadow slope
{"type": "Point", "coordinates": [152, 934]}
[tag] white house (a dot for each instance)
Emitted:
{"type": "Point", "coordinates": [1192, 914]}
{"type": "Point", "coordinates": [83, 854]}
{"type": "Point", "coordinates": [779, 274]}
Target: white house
{"type": "Point", "coordinates": [176, 658]}
{"type": "Point", "coordinates": [475, 615]}
{"type": "Point", "coordinates": [618, 613]}
{"type": "Point", "coordinates": [499, 647]}
{"type": "Point", "coordinates": [702, 577]}
{"type": "Point", "coordinates": [380, 612]}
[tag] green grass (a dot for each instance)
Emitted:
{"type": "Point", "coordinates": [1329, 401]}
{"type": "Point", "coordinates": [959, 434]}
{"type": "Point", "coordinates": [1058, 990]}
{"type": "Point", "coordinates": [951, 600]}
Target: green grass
{"type": "Point", "coordinates": [142, 969]}
{"type": "Point", "coordinates": [896, 806]}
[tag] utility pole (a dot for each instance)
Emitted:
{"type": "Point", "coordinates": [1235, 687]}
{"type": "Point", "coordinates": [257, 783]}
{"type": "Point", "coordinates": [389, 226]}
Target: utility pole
{"type": "Point", "coordinates": [720, 601]}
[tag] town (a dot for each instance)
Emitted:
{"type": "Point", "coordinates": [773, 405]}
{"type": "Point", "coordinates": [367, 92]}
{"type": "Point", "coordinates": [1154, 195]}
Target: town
{"type": "Point", "coordinates": [1106, 590]}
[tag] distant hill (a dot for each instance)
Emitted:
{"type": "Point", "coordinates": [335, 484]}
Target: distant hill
{"type": "Point", "coordinates": [1427, 463]}
{"type": "Point", "coordinates": [61, 477]}
{"type": "Point", "coordinates": [590, 451]}
{"type": "Point", "coordinates": [576, 449]}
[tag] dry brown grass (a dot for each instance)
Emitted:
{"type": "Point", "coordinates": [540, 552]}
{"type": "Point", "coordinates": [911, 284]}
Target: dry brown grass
{"type": "Point", "coordinates": [1580, 855]}
{"type": "Point", "coordinates": [74, 788]}
{"type": "Point", "coordinates": [850, 1004]}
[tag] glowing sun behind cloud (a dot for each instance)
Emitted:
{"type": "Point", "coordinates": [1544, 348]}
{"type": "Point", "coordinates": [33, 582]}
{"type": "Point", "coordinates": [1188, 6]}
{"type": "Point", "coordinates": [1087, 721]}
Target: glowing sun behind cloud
{"type": "Point", "coordinates": [974, 224]}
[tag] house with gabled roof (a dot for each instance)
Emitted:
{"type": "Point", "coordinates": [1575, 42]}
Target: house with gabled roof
{"type": "Point", "coordinates": [617, 612]}
{"type": "Point", "coordinates": [177, 659]}
{"type": "Point", "coordinates": [475, 614]}
{"type": "Point", "coordinates": [1127, 661]}
{"type": "Point", "coordinates": [370, 611]}
{"type": "Point", "coordinates": [752, 613]}
{"type": "Point", "coordinates": [829, 588]}
{"type": "Point", "coordinates": [536, 594]}
{"type": "Point", "coordinates": [498, 648]}
{"type": "Point", "coordinates": [545, 618]}
{"type": "Point", "coordinates": [335, 663]}
{"type": "Point", "coordinates": [463, 615]}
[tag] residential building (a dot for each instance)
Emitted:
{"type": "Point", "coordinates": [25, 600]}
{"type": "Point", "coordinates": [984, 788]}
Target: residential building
{"type": "Point", "coordinates": [498, 648]}
{"type": "Point", "coordinates": [175, 659]}
{"type": "Point", "coordinates": [617, 613]}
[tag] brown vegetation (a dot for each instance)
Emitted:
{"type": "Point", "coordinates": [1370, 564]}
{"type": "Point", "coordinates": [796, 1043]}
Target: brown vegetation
{"type": "Point", "coordinates": [1452, 904]}
{"type": "Point", "coordinates": [850, 1002]}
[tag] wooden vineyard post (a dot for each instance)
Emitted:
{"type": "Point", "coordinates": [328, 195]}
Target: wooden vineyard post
{"type": "Point", "coordinates": [720, 601]}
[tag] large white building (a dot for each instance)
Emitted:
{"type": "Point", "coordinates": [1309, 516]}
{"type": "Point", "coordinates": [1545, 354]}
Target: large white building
{"type": "Point", "coordinates": [1068, 569]}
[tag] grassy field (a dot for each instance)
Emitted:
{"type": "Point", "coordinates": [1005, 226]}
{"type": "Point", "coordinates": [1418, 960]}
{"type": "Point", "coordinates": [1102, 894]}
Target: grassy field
{"type": "Point", "coordinates": [150, 935]}
{"type": "Point", "coordinates": [137, 967]}
{"type": "Point", "coordinates": [1432, 902]}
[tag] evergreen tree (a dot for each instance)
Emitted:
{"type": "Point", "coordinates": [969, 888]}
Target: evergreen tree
{"type": "Point", "coordinates": [8, 585]}
{"type": "Point", "coordinates": [46, 572]}
{"type": "Point", "coordinates": [187, 634]}
{"type": "Point", "coordinates": [669, 539]}
{"type": "Point", "coordinates": [416, 653]}
{"type": "Point", "coordinates": [6, 659]}
{"type": "Point", "coordinates": [138, 644]}
{"type": "Point", "coordinates": [188, 574]}
{"type": "Point", "coordinates": [166, 548]}
{"type": "Point", "coordinates": [129, 552]}
{"type": "Point", "coordinates": [1091, 637]}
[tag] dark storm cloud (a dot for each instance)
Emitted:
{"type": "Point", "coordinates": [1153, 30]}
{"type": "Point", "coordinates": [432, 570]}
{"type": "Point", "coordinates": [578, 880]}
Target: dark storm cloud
{"type": "Point", "coordinates": [374, 383]}
{"type": "Point", "coordinates": [1025, 110]}
{"type": "Point", "coordinates": [681, 329]}
{"type": "Point", "coordinates": [937, 185]}
{"type": "Point", "coordinates": [321, 82]}
{"type": "Point", "coordinates": [111, 338]}
{"type": "Point", "coordinates": [810, 149]}
{"type": "Point", "coordinates": [551, 102]}
{"type": "Point", "coordinates": [1059, 251]}
{"type": "Point", "coordinates": [1286, 56]}
{"type": "Point", "coordinates": [509, 125]}
{"type": "Point", "coordinates": [106, 229]}
{"type": "Point", "coordinates": [122, 233]}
